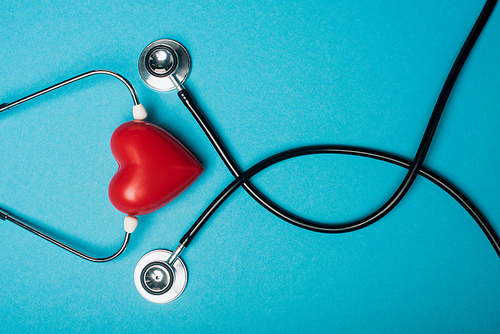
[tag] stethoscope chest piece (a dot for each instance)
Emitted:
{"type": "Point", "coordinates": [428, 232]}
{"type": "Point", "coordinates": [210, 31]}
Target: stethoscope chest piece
{"type": "Point", "coordinates": [162, 58]}
{"type": "Point", "coordinates": [156, 280]}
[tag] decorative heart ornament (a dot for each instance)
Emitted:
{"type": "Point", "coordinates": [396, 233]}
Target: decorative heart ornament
{"type": "Point", "coordinates": [153, 168]}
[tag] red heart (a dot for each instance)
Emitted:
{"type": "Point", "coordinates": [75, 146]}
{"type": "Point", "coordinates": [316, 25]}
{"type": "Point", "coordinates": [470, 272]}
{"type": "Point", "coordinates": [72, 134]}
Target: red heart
{"type": "Point", "coordinates": [153, 168]}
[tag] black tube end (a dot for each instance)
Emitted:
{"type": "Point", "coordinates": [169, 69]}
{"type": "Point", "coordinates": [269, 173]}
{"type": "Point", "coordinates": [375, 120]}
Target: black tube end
{"type": "Point", "coordinates": [186, 240]}
{"type": "Point", "coordinates": [3, 107]}
{"type": "Point", "coordinates": [3, 215]}
{"type": "Point", "coordinates": [184, 95]}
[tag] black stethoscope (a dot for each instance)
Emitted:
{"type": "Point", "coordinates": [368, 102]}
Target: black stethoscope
{"type": "Point", "coordinates": [161, 276]}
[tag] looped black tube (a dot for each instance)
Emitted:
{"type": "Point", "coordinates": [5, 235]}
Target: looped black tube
{"type": "Point", "coordinates": [414, 167]}
{"type": "Point", "coordinates": [346, 150]}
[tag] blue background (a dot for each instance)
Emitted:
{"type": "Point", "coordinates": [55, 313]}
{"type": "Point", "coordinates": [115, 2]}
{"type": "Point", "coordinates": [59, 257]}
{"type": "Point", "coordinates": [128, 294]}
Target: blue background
{"type": "Point", "coordinates": [270, 76]}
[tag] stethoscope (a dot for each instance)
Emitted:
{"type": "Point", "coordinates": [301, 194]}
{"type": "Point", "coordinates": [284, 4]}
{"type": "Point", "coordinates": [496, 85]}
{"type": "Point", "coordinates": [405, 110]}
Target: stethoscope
{"type": "Point", "coordinates": [161, 275]}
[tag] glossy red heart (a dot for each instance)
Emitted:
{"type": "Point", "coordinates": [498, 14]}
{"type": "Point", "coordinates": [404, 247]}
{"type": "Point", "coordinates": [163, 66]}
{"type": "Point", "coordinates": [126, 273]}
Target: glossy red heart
{"type": "Point", "coordinates": [153, 168]}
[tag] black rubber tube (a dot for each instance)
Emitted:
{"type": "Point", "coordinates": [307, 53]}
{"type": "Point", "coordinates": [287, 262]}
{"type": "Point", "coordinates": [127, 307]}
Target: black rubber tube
{"type": "Point", "coordinates": [414, 167]}
{"type": "Point", "coordinates": [346, 150]}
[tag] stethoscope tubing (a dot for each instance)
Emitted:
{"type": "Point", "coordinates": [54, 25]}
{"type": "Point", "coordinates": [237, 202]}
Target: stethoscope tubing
{"type": "Point", "coordinates": [346, 150]}
{"type": "Point", "coordinates": [129, 86]}
{"type": "Point", "coordinates": [414, 167]}
{"type": "Point", "coordinates": [6, 216]}
{"type": "Point", "coordinates": [126, 239]}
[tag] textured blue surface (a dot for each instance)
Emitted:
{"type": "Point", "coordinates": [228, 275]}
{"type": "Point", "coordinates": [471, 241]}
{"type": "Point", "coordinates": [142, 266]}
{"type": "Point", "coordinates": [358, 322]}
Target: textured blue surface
{"type": "Point", "coordinates": [270, 76]}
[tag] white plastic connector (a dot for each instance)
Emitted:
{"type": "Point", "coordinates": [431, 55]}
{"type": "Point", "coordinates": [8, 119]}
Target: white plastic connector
{"type": "Point", "coordinates": [139, 112]}
{"type": "Point", "coordinates": [130, 223]}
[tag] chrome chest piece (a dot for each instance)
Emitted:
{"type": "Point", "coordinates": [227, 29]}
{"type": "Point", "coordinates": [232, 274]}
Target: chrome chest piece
{"type": "Point", "coordinates": [158, 281]}
{"type": "Point", "coordinates": [160, 61]}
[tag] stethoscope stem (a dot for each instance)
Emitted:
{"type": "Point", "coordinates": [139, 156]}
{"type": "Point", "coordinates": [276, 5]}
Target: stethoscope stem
{"type": "Point", "coordinates": [175, 81]}
{"type": "Point", "coordinates": [175, 255]}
